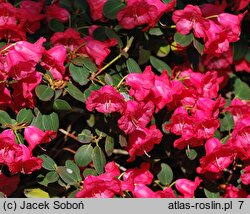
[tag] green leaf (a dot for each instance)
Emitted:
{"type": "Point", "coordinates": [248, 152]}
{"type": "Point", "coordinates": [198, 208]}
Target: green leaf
{"type": "Point", "coordinates": [91, 120]}
{"type": "Point", "coordinates": [4, 118]}
{"type": "Point", "coordinates": [71, 165]}
{"type": "Point", "coordinates": [74, 92]}
{"type": "Point", "coordinates": [241, 89]}
{"type": "Point", "coordinates": [132, 66]}
{"type": "Point", "coordinates": [90, 65]}
{"type": "Point", "coordinates": [210, 194]}
{"type": "Point", "coordinates": [163, 51]}
{"type": "Point", "coordinates": [51, 121]}
{"type": "Point", "coordinates": [48, 162]}
{"type": "Point", "coordinates": [44, 92]}
{"type": "Point", "coordinates": [227, 122]}
{"type": "Point", "coordinates": [37, 122]}
{"type": "Point", "coordinates": [183, 40]}
{"type": "Point", "coordinates": [35, 193]}
{"type": "Point", "coordinates": [198, 46]}
{"type": "Point", "coordinates": [79, 74]}
{"type": "Point", "coordinates": [67, 175]}
{"type": "Point", "coordinates": [240, 49]}
{"type": "Point", "coordinates": [99, 159]}
{"type": "Point", "coordinates": [52, 177]}
{"type": "Point", "coordinates": [85, 136]}
{"type": "Point", "coordinates": [61, 105]}
{"type": "Point", "coordinates": [109, 145]}
{"type": "Point", "coordinates": [159, 65]}
{"type": "Point", "coordinates": [191, 154]}
{"type": "Point", "coordinates": [108, 79]}
{"type": "Point", "coordinates": [56, 26]}
{"type": "Point", "coordinates": [165, 175]}
{"type": "Point", "coordinates": [111, 8]}
{"type": "Point", "coordinates": [89, 171]}
{"type": "Point", "coordinates": [24, 116]}
{"type": "Point", "coordinates": [2, 44]}
{"type": "Point", "coordinates": [155, 32]}
{"type": "Point", "coordinates": [83, 155]}
{"type": "Point", "coordinates": [143, 56]}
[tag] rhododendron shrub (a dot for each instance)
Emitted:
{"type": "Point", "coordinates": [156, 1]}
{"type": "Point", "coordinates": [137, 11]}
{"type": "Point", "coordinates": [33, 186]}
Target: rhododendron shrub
{"type": "Point", "coordinates": [127, 99]}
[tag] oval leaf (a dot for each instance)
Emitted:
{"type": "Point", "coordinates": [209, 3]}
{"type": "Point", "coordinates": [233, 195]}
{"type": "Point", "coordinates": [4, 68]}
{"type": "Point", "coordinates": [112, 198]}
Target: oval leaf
{"type": "Point", "coordinates": [227, 122]}
{"type": "Point", "coordinates": [44, 92]}
{"type": "Point", "coordinates": [183, 40]}
{"type": "Point", "coordinates": [111, 8]}
{"type": "Point", "coordinates": [35, 193]}
{"type": "Point", "coordinates": [241, 89]}
{"type": "Point", "coordinates": [24, 116]}
{"type": "Point", "coordinates": [159, 65]}
{"type": "Point", "coordinates": [67, 175]}
{"type": "Point", "coordinates": [109, 145]}
{"type": "Point", "coordinates": [132, 66]}
{"type": "Point", "coordinates": [211, 194]}
{"type": "Point", "coordinates": [83, 155]}
{"type": "Point", "coordinates": [52, 177]}
{"type": "Point", "coordinates": [99, 159]}
{"type": "Point", "coordinates": [71, 165]}
{"type": "Point", "coordinates": [79, 74]}
{"type": "Point", "coordinates": [74, 92]}
{"type": "Point", "coordinates": [48, 162]}
{"type": "Point", "coordinates": [61, 105]}
{"type": "Point", "coordinates": [50, 122]}
{"type": "Point", "coordinates": [4, 118]}
{"type": "Point", "coordinates": [165, 175]}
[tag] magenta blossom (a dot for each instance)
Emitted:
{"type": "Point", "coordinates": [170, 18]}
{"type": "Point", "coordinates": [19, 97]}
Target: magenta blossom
{"type": "Point", "coordinates": [105, 185]}
{"type": "Point", "coordinates": [187, 187]}
{"type": "Point", "coordinates": [190, 18]}
{"type": "Point", "coordinates": [105, 100]}
{"type": "Point", "coordinates": [142, 140]}
{"type": "Point", "coordinates": [135, 115]}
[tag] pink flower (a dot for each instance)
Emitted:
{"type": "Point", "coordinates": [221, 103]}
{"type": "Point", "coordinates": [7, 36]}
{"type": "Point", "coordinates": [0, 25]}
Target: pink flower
{"type": "Point", "coordinates": [53, 60]}
{"type": "Point", "coordinates": [190, 18]}
{"type": "Point", "coordinates": [241, 136]}
{"type": "Point", "coordinates": [245, 177]}
{"type": "Point", "coordinates": [23, 91]}
{"type": "Point", "coordinates": [242, 65]}
{"type": "Point", "coordinates": [141, 84]}
{"type": "Point", "coordinates": [239, 108]}
{"type": "Point", "coordinates": [162, 91]}
{"type": "Point", "coordinates": [8, 184]}
{"type": "Point", "coordinates": [24, 162]}
{"type": "Point", "coordinates": [96, 7]}
{"type": "Point", "coordinates": [35, 136]}
{"type": "Point", "coordinates": [135, 115]}
{"type": "Point", "coordinates": [98, 50]}
{"type": "Point", "coordinates": [105, 185]}
{"type": "Point", "coordinates": [70, 39]}
{"type": "Point", "coordinates": [54, 11]}
{"type": "Point", "coordinates": [31, 14]}
{"type": "Point", "coordinates": [105, 100]}
{"type": "Point", "coordinates": [234, 192]}
{"type": "Point", "coordinates": [240, 5]}
{"type": "Point", "coordinates": [17, 157]}
{"type": "Point", "coordinates": [142, 12]}
{"type": "Point", "coordinates": [187, 187]}
{"type": "Point", "coordinates": [218, 156]}
{"type": "Point", "coordinates": [232, 24]}
{"type": "Point", "coordinates": [135, 181]}
{"type": "Point", "coordinates": [142, 140]}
